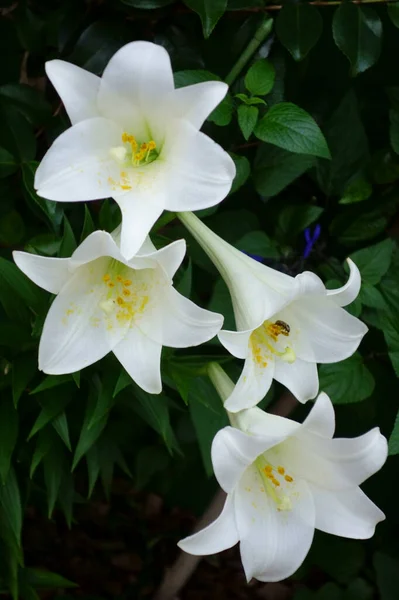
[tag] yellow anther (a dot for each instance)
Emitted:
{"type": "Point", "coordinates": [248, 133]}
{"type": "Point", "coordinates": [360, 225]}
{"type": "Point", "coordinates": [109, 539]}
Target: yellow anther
{"type": "Point", "coordinates": [120, 301]}
{"type": "Point", "coordinates": [111, 284]}
{"type": "Point", "coordinates": [118, 278]}
{"type": "Point", "coordinates": [289, 478]}
{"type": "Point", "coordinates": [126, 187]}
{"type": "Point", "coordinates": [127, 282]}
{"type": "Point", "coordinates": [281, 470]}
{"type": "Point", "coordinates": [151, 145]}
{"type": "Point", "coordinates": [139, 156]}
{"type": "Point", "coordinates": [126, 292]}
{"type": "Point", "coordinates": [275, 481]}
{"type": "Point", "coordinates": [268, 469]}
{"type": "Point", "coordinates": [106, 277]}
{"type": "Point", "coordinates": [144, 147]}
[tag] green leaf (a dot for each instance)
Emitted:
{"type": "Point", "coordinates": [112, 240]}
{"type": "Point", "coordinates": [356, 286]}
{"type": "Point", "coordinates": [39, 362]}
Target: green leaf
{"type": "Point", "coordinates": [52, 405]}
{"type": "Point", "coordinates": [394, 129]}
{"type": "Point", "coordinates": [44, 442]}
{"type": "Point", "coordinates": [393, 12]}
{"type": "Point", "coordinates": [356, 191]}
{"type": "Point", "coordinates": [208, 416]}
{"type": "Point", "coordinates": [347, 381]}
{"type": "Point", "coordinates": [292, 128]}
{"type": "Point", "coordinates": [68, 244]}
{"type": "Point", "coordinates": [370, 296]}
{"type": "Point", "coordinates": [88, 225]}
{"type": "Point", "coordinates": [24, 369]}
{"type": "Point", "coordinates": [257, 242]}
{"type": "Point", "coordinates": [243, 171]}
{"type": "Point", "coordinates": [28, 100]}
{"type": "Point", "coordinates": [154, 410]}
{"type": "Point", "coordinates": [8, 436]}
{"type": "Point", "coordinates": [209, 11]}
{"type": "Point", "coordinates": [294, 218]}
{"type": "Point", "coordinates": [357, 32]}
{"type": "Point", "coordinates": [105, 397]}
{"type": "Point", "coordinates": [44, 580]}
{"type": "Point", "coordinates": [93, 468]}
{"type": "Point", "coordinates": [26, 290]}
{"type": "Point", "coordinates": [260, 78]}
{"type": "Point", "coordinates": [348, 143]}
{"type": "Point", "coordinates": [51, 211]}
{"type": "Point", "coordinates": [298, 27]}
{"type": "Point", "coordinates": [393, 445]}
{"type": "Point", "coordinates": [373, 262]}
{"type": "Point", "coordinates": [60, 424]}
{"type": "Point", "coordinates": [16, 133]}
{"type": "Point", "coordinates": [249, 101]}
{"type": "Point", "coordinates": [247, 118]}
{"type": "Point", "coordinates": [184, 285]}
{"type": "Point", "coordinates": [276, 168]}
{"type": "Point", "coordinates": [53, 469]}
{"type": "Point", "coordinates": [88, 436]}
{"type": "Point", "coordinates": [8, 164]}
{"type": "Point", "coordinates": [51, 381]}
{"type": "Point", "coordinates": [150, 460]}
{"type": "Point", "coordinates": [11, 512]}
{"type": "Point", "coordinates": [387, 571]}
{"type": "Point", "coordinates": [12, 229]}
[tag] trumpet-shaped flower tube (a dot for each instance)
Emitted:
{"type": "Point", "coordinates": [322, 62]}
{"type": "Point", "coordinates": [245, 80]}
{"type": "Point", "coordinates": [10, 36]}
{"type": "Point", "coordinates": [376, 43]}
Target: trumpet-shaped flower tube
{"type": "Point", "coordinates": [284, 480]}
{"type": "Point", "coordinates": [105, 303]}
{"type": "Point", "coordinates": [286, 325]}
{"type": "Point", "coordinates": [135, 138]}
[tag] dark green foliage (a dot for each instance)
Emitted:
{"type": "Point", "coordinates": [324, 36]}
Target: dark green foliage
{"type": "Point", "coordinates": [311, 121]}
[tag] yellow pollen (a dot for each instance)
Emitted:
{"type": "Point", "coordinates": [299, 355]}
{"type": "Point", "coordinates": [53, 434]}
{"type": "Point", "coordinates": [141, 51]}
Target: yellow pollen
{"type": "Point", "coordinates": [118, 278]}
{"type": "Point", "coordinates": [127, 282]}
{"type": "Point", "coordinates": [268, 469]}
{"type": "Point", "coordinates": [281, 470]}
{"type": "Point", "coordinates": [275, 481]}
{"type": "Point", "coordinates": [126, 187]}
{"type": "Point", "coordinates": [106, 277]}
{"type": "Point", "coordinates": [111, 284]}
{"type": "Point", "coordinates": [120, 300]}
{"type": "Point", "coordinates": [151, 145]}
{"type": "Point", "coordinates": [144, 147]}
{"type": "Point", "coordinates": [289, 478]}
{"type": "Point", "coordinates": [126, 292]}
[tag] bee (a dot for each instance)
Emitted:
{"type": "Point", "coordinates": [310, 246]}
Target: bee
{"type": "Point", "coordinates": [284, 327]}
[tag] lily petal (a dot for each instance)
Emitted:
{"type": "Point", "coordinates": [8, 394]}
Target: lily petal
{"type": "Point", "coordinates": [77, 332]}
{"type": "Point", "coordinates": [300, 377]}
{"type": "Point", "coordinates": [218, 536]}
{"type": "Point", "coordinates": [141, 358]}
{"type": "Point", "coordinates": [179, 323]}
{"type": "Point", "coordinates": [234, 451]}
{"type": "Point", "coordinates": [77, 89]}
{"type": "Point", "coordinates": [96, 245]}
{"type": "Point", "coordinates": [200, 172]}
{"type": "Point", "coordinates": [338, 464]}
{"type": "Point", "coordinates": [274, 543]}
{"type": "Point", "coordinates": [253, 384]}
{"type": "Point", "coordinates": [236, 342]}
{"type": "Point", "coordinates": [78, 166]}
{"type": "Point", "coordinates": [196, 102]}
{"type": "Point", "coordinates": [49, 273]}
{"type": "Point", "coordinates": [139, 214]}
{"type": "Point", "coordinates": [349, 513]}
{"type": "Point", "coordinates": [348, 292]}
{"type": "Point", "coordinates": [328, 333]}
{"type": "Point", "coordinates": [169, 258]}
{"type": "Point", "coordinates": [321, 419]}
{"type": "Point", "coordinates": [137, 81]}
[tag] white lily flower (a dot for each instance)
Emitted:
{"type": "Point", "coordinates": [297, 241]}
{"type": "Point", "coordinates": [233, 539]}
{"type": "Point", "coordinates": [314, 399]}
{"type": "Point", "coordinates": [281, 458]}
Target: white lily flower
{"type": "Point", "coordinates": [105, 303]}
{"type": "Point", "coordinates": [286, 325]}
{"type": "Point", "coordinates": [284, 480]}
{"type": "Point", "coordinates": [135, 138]}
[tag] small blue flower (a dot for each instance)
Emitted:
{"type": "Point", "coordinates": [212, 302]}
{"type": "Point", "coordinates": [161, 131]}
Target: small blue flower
{"type": "Point", "coordinates": [311, 239]}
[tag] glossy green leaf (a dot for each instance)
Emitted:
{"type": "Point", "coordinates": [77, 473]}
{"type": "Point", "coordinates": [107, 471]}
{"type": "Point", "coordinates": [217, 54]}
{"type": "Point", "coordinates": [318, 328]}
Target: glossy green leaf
{"type": "Point", "coordinates": [24, 368]}
{"type": "Point", "coordinates": [357, 32]}
{"type": "Point", "coordinates": [8, 164]}
{"type": "Point", "coordinates": [258, 243]}
{"type": "Point", "coordinates": [298, 27]}
{"type": "Point", "coordinates": [243, 171]}
{"type": "Point", "coordinates": [210, 12]}
{"type": "Point", "coordinates": [276, 168]}
{"type": "Point", "coordinates": [292, 128]}
{"type": "Point", "coordinates": [247, 118]}
{"type": "Point", "coordinates": [260, 78]}
{"type": "Point", "coordinates": [347, 381]}
{"type": "Point", "coordinates": [53, 469]}
{"type": "Point", "coordinates": [393, 12]}
{"type": "Point", "coordinates": [68, 244]}
{"type": "Point", "coordinates": [8, 436]}
{"type": "Point", "coordinates": [356, 191]}
{"type": "Point", "coordinates": [374, 261]}
{"type": "Point", "coordinates": [89, 435]}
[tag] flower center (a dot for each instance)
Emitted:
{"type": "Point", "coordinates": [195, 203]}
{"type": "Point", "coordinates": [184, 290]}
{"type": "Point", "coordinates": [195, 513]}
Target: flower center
{"type": "Point", "coordinates": [125, 293]}
{"type": "Point", "coordinates": [134, 153]}
{"type": "Point", "coordinates": [275, 481]}
{"type": "Point", "coordinates": [266, 342]}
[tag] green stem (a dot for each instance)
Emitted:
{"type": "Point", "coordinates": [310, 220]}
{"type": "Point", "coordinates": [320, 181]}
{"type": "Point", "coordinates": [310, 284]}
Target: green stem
{"type": "Point", "coordinates": [260, 35]}
{"type": "Point", "coordinates": [223, 385]}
